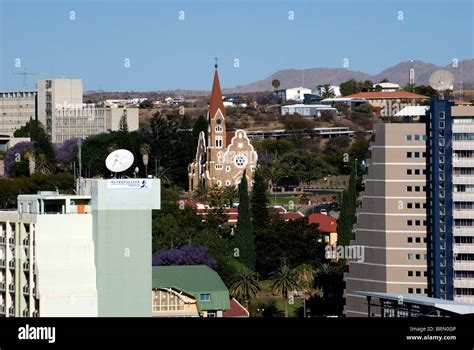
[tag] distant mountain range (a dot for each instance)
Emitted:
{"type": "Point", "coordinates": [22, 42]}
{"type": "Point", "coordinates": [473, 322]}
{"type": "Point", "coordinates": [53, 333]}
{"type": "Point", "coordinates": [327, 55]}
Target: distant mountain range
{"type": "Point", "coordinates": [397, 74]}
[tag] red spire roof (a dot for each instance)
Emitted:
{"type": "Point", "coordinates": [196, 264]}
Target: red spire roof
{"type": "Point", "coordinates": [216, 98]}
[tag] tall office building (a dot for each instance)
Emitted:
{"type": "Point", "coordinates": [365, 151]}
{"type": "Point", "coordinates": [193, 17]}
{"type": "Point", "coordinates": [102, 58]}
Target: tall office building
{"type": "Point", "coordinates": [16, 109]}
{"type": "Point", "coordinates": [79, 255]}
{"type": "Point", "coordinates": [65, 116]}
{"type": "Point", "coordinates": [430, 207]}
{"type": "Point", "coordinates": [391, 223]}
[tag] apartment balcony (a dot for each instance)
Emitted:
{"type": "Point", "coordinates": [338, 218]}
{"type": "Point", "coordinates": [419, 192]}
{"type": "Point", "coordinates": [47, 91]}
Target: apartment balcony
{"type": "Point", "coordinates": [35, 313]}
{"type": "Point", "coordinates": [26, 289]}
{"type": "Point", "coordinates": [463, 283]}
{"type": "Point", "coordinates": [460, 128]}
{"type": "Point", "coordinates": [11, 264]}
{"type": "Point", "coordinates": [464, 299]}
{"type": "Point", "coordinates": [2, 263]}
{"type": "Point", "coordinates": [26, 241]}
{"type": "Point", "coordinates": [11, 241]}
{"type": "Point", "coordinates": [2, 309]}
{"type": "Point", "coordinates": [463, 231]}
{"type": "Point", "coordinates": [463, 248]}
{"type": "Point", "coordinates": [463, 179]}
{"type": "Point", "coordinates": [2, 240]}
{"type": "Point", "coordinates": [11, 310]}
{"type": "Point", "coordinates": [463, 213]}
{"type": "Point", "coordinates": [26, 313]}
{"type": "Point", "coordinates": [464, 265]}
{"type": "Point", "coordinates": [26, 266]}
{"type": "Point", "coordinates": [463, 162]}
{"type": "Point", "coordinates": [463, 196]}
{"type": "Point", "coordinates": [2, 286]}
{"type": "Point", "coordinates": [463, 145]}
{"type": "Point", "coordinates": [11, 288]}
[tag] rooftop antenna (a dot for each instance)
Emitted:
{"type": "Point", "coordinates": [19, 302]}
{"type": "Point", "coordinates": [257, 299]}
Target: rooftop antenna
{"type": "Point", "coordinates": [25, 74]}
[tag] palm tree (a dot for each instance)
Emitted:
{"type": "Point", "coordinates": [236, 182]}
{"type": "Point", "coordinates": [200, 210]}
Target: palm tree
{"type": "Point", "coordinates": [275, 84]}
{"type": "Point", "coordinates": [42, 164]}
{"type": "Point", "coordinates": [230, 192]}
{"type": "Point", "coordinates": [245, 285]}
{"type": "Point", "coordinates": [327, 91]}
{"type": "Point", "coordinates": [272, 173]}
{"type": "Point", "coordinates": [324, 269]}
{"type": "Point", "coordinates": [284, 280]}
{"type": "Point", "coordinates": [163, 175]}
{"type": "Point", "coordinates": [145, 151]}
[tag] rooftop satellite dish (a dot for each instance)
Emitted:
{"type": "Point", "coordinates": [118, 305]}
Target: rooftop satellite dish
{"type": "Point", "coordinates": [441, 80]}
{"type": "Point", "coordinates": [119, 160]}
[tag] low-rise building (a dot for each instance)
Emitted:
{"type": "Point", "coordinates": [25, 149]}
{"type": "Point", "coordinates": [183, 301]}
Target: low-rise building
{"type": "Point", "coordinates": [16, 109]}
{"type": "Point", "coordinates": [310, 111]}
{"type": "Point", "coordinates": [327, 225]}
{"type": "Point", "coordinates": [386, 87]}
{"type": "Point", "coordinates": [188, 291]}
{"type": "Point", "coordinates": [293, 94]}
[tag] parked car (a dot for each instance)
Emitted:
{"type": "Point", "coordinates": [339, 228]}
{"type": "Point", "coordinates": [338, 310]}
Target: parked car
{"type": "Point", "coordinates": [324, 211]}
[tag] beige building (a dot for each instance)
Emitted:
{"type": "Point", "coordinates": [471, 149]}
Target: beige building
{"type": "Point", "coordinates": [391, 224]}
{"type": "Point", "coordinates": [222, 159]}
{"type": "Point", "coordinates": [65, 116]}
{"type": "Point", "coordinates": [16, 109]}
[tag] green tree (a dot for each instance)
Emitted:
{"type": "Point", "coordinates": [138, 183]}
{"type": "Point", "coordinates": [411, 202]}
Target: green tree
{"type": "Point", "coordinates": [283, 281]}
{"type": "Point", "coordinates": [327, 91]}
{"type": "Point", "coordinates": [199, 125]}
{"type": "Point", "coordinates": [349, 87]}
{"type": "Point", "coordinates": [244, 237]}
{"type": "Point", "coordinates": [245, 285]}
{"type": "Point", "coordinates": [123, 124]}
{"type": "Point", "coordinates": [365, 108]}
{"type": "Point", "coordinates": [425, 90]}
{"type": "Point", "coordinates": [230, 192]}
{"type": "Point", "coordinates": [259, 201]}
{"type": "Point", "coordinates": [275, 84]}
{"type": "Point", "coordinates": [347, 216]}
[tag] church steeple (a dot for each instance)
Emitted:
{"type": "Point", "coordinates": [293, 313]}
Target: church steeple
{"type": "Point", "coordinates": [215, 102]}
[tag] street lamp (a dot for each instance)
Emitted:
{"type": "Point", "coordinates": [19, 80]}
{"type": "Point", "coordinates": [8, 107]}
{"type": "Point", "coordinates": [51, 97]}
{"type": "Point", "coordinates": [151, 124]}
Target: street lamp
{"type": "Point", "coordinates": [276, 184]}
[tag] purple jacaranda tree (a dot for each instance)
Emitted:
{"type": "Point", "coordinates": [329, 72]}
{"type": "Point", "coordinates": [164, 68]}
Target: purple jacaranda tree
{"type": "Point", "coordinates": [187, 255]}
{"type": "Point", "coordinates": [15, 153]}
{"type": "Point", "coordinates": [66, 152]}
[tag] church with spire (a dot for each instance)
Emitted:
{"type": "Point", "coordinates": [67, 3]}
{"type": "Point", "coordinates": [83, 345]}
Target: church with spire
{"type": "Point", "coordinates": [223, 156]}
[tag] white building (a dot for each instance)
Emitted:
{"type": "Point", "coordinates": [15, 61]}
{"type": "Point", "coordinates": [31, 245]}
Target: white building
{"type": "Point", "coordinates": [307, 110]}
{"type": "Point", "coordinates": [75, 256]}
{"type": "Point", "coordinates": [387, 86]}
{"type": "Point", "coordinates": [16, 109]}
{"type": "Point", "coordinates": [293, 94]}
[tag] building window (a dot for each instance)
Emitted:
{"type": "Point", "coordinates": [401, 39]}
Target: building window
{"type": "Point", "coordinates": [410, 273]}
{"type": "Point", "coordinates": [205, 297]}
{"type": "Point", "coordinates": [227, 182]}
{"type": "Point", "coordinates": [410, 256]}
{"type": "Point", "coordinates": [418, 273]}
{"type": "Point", "coordinates": [409, 189]}
{"type": "Point", "coordinates": [417, 188]}
{"type": "Point", "coordinates": [417, 256]}
{"type": "Point", "coordinates": [219, 166]}
{"type": "Point", "coordinates": [417, 171]}
{"type": "Point", "coordinates": [410, 290]}
{"type": "Point", "coordinates": [418, 239]}
{"type": "Point", "coordinates": [417, 154]}
{"type": "Point", "coordinates": [408, 137]}
{"type": "Point", "coordinates": [418, 290]}
{"type": "Point", "coordinates": [409, 239]}
{"type": "Point", "coordinates": [417, 137]}
{"type": "Point", "coordinates": [409, 223]}
{"type": "Point", "coordinates": [410, 205]}
{"type": "Point", "coordinates": [408, 154]}
{"type": "Point", "coordinates": [227, 168]}
{"type": "Point", "coordinates": [219, 128]}
{"type": "Point", "coordinates": [409, 171]}
{"type": "Point", "coordinates": [219, 141]}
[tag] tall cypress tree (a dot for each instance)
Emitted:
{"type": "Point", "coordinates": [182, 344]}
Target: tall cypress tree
{"type": "Point", "coordinates": [259, 202]}
{"type": "Point", "coordinates": [244, 238]}
{"type": "Point", "coordinates": [347, 215]}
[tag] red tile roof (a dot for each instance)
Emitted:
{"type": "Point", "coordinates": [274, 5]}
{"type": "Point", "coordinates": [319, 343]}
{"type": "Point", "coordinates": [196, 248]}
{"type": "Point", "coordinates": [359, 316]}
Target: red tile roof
{"type": "Point", "coordinates": [236, 310]}
{"type": "Point", "coordinates": [375, 95]}
{"type": "Point", "coordinates": [215, 102]}
{"type": "Point", "coordinates": [326, 223]}
{"type": "Point", "coordinates": [228, 137]}
{"type": "Point", "coordinates": [292, 216]}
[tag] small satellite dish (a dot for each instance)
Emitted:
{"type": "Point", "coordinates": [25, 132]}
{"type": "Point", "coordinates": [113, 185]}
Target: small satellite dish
{"type": "Point", "coordinates": [441, 80]}
{"type": "Point", "coordinates": [119, 160]}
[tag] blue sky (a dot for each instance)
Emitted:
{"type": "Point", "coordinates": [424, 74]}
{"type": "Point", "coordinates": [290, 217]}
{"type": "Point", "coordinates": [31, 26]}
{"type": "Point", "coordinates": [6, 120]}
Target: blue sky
{"type": "Point", "coordinates": [167, 53]}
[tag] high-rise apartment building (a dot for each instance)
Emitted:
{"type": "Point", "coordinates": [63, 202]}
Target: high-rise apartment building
{"type": "Point", "coordinates": [416, 221]}
{"type": "Point", "coordinates": [391, 225]}
{"type": "Point", "coordinates": [79, 255]}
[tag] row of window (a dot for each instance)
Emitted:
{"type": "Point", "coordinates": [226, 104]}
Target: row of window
{"type": "Point", "coordinates": [416, 171]}
{"type": "Point", "coordinates": [416, 188]}
{"type": "Point", "coordinates": [417, 273]}
{"type": "Point", "coordinates": [416, 154]}
{"type": "Point", "coordinates": [416, 222]}
{"type": "Point", "coordinates": [416, 205]}
{"type": "Point", "coordinates": [411, 256]}
{"type": "Point", "coordinates": [417, 239]}
{"type": "Point", "coordinates": [416, 137]}
{"type": "Point", "coordinates": [418, 291]}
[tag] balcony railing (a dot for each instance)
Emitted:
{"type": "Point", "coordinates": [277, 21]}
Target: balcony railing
{"type": "Point", "coordinates": [11, 240]}
{"type": "Point", "coordinates": [463, 231]}
{"type": "Point", "coordinates": [26, 313]}
{"type": "Point", "coordinates": [464, 266]}
{"type": "Point", "coordinates": [463, 283]}
{"type": "Point", "coordinates": [26, 241]}
{"type": "Point", "coordinates": [11, 310]}
{"type": "Point", "coordinates": [26, 289]}
{"type": "Point", "coordinates": [2, 286]}
{"type": "Point", "coordinates": [463, 162]}
{"type": "Point", "coordinates": [2, 263]}
{"type": "Point", "coordinates": [11, 264]}
{"type": "Point", "coordinates": [35, 313]}
{"type": "Point", "coordinates": [463, 145]}
{"type": "Point", "coordinates": [26, 266]}
{"type": "Point", "coordinates": [463, 248]}
{"type": "Point", "coordinates": [463, 179]}
{"type": "Point", "coordinates": [11, 288]}
{"type": "Point", "coordinates": [2, 240]}
{"type": "Point", "coordinates": [2, 309]}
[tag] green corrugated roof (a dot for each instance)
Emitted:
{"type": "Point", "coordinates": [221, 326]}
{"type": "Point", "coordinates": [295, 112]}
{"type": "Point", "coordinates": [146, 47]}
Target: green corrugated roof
{"type": "Point", "coordinates": [195, 280]}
